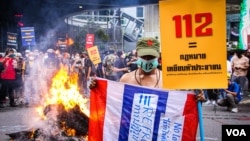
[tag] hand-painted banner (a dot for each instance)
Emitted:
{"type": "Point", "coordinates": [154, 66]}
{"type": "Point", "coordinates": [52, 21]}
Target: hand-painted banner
{"type": "Point", "coordinates": [193, 44]}
{"type": "Point", "coordinates": [89, 40]}
{"type": "Point", "coordinates": [12, 39]}
{"type": "Point", "coordinates": [62, 42]}
{"type": "Point", "coordinates": [94, 55]}
{"type": "Point", "coordinates": [122, 112]}
{"type": "Point", "coordinates": [28, 36]}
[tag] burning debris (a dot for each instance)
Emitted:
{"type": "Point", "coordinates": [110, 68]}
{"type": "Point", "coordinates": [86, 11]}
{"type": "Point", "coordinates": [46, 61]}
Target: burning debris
{"type": "Point", "coordinates": [64, 115]}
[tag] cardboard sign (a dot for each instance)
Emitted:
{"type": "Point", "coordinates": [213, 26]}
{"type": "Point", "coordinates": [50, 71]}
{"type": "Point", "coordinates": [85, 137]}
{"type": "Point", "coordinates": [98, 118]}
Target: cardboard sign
{"type": "Point", "coordinates": [94, 55]}
{"type": "Point", "coordinates": [193, 44]}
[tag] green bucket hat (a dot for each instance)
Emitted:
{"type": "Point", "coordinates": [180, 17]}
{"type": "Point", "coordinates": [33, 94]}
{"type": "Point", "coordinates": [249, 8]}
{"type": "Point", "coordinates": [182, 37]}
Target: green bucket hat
{"type": "Point", "coordinates": [148, 46]}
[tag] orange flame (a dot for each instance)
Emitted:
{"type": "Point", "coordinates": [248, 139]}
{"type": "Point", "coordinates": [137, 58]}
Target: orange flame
{"type": "Point", "coordinates": [64, 90]}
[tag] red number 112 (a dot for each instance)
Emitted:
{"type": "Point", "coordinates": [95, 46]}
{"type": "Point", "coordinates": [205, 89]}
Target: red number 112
{"type": "Point", "coordinates": [200, 30]}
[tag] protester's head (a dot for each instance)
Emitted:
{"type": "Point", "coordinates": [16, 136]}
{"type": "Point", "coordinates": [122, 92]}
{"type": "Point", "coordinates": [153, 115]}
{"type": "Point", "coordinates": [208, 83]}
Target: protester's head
{"type": "Point", "coordinates": [148, 52]}
{"type": "Point", "coordinates": [27, 53]}
{"type": "Point", "coordinates": [84, 54]}
{"type": "Point", "coordinates": [120, 54]}
{"type": "Point", "coordinates": [239, 52]}
{"type": "Point", "coordinates": [51, 53]}
{"type": "Point", "coordinates": [111, 51]}
{"type": "Point", "coordinates": [31, 56]}
{"type": "Point", "coordinates": [10, 52]}
{"type": "Point", "coordinates": [148, 46]}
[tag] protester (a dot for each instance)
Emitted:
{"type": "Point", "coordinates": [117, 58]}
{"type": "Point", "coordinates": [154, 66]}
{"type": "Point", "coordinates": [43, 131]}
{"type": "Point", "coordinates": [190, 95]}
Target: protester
{"type": "Point", "coordinates": [240, 64]}
{"type": "Point", "coordinates": [108, 63]}
{"type": "Point", "coordinates": [8, 76]}
{"type": "Point", "coordinates": [130, 60]}
{"type": "Point", "coordinates": [119, 66]}
{"type": "Point", "coordinates": [32, 70]}
{"type": "Point", "coordinates": [147, 74]}
{"type": "Point", "coordinates": [89, 70]}
{"type": "Point", "coordinates": [232, 97]}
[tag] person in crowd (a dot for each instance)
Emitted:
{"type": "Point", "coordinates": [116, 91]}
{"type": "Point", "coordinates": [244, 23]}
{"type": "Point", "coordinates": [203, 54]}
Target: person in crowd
{"type": "Point", "coordinates": [240, 65]}
{"type": "Point", "coordinates": [26, 54]}
{"type": "Point", "coordinates": [77, 67]}
{"type": "Point", "coordinates": [89, 71]}
{"type": "Point", "coordinates": [232, 97]}
{"type": "Point", "coordinates": [66, 61]}
{"type": "Point", "coordinates": [19, 78]}
{"type": "Point", "coordinates": [119, 66]}
{"type": "Point", "coordinates": [100, 70]}
{"type": "Point", "coordinates": [248, 70]}
{"type": "Point", "coordinates": [212, 96]}
{"type": "Point", "coordinates": [51, 64]}
{"type": "Point", "coordinates": [32, 70]}
{"type": "Point", "coordinates": [130, 60]}
{"type": "Point", "coordinates": [108, 63]}
{"type": "Point", "coordinates": [8, 76]}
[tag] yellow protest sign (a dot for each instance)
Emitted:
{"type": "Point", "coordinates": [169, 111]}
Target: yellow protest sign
{"type": "Point", "coordinates": [193, 43]}
{"type": "Point", "coordinates": [94, 54]}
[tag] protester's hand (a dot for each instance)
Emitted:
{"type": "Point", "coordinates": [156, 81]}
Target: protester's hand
{"type": "Point", "coordinates": [200, 97]}
{"type": "Point", "coordinates": [93, 83]}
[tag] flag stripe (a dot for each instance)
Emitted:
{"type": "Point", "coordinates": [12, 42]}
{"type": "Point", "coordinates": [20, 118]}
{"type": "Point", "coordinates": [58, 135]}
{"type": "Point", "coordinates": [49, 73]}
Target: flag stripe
{"type": "Point", "coordinates": [113, 111]}
{"type": "Point", "coordinates": [191, 114]}
{"type": "Point", "coordinates": [97, 108]}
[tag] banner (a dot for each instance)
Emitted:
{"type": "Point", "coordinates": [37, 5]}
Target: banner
{"type": "Point", "coordinates": [89, 40]}
{"type": "Point", "coordinates": [12, 39]}
{"type": "Point", "coordinates": [28, 36]}
{"type": "Point", "coordinates": [62, 43]}
{"type": "Point", "coordinates": [193, 44]}
{"type": "Point", "coordinates": [122, 112]}
{"type": "Point", "coordinates": [94, 55]}
{"type": "Point", "coordinates": [245, 25]}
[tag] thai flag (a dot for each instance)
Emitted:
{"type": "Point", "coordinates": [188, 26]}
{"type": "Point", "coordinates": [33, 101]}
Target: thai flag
{"type": "Point", "coordinates": [122, 112]}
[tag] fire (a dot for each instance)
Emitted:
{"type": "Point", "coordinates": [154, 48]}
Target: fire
{"type": "Point", "coordinates": [64, 90]}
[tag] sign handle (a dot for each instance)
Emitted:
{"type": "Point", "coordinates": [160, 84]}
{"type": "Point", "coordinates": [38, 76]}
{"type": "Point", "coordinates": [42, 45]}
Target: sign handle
{"type": "Point", "coordinates": [200, 121]}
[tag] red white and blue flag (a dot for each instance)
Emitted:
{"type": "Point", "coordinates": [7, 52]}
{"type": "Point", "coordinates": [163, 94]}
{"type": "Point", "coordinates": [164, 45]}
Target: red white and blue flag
{"type": "Point", "coordinates": [122, 112]}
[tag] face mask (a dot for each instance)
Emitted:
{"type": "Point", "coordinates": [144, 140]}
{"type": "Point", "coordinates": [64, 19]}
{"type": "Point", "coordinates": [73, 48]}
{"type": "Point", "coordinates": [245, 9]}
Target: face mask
{"type": "Point", "coordinates": [31, 58]}
{"type": "Point", "coordinates": [147, 65]}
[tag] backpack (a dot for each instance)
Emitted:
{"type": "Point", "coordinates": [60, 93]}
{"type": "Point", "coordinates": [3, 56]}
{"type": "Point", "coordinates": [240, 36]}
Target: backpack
{"type": "Point", "coordinates": [108, 63]}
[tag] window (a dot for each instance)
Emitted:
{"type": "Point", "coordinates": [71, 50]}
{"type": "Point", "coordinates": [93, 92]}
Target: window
{"type": "Point", "coordinates": [139, 12]}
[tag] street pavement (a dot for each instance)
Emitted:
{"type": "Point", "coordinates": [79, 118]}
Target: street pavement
{"type": "Point", "coordinates": [13, 119]}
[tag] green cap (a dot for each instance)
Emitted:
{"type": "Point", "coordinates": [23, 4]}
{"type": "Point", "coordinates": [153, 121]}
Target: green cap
{"type": "Point", "coordinates": [148, 46]}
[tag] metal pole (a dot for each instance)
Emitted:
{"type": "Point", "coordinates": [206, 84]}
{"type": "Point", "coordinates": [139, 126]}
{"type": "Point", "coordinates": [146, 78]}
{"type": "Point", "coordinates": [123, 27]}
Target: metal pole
{"type": "Point", "coordinates": [200, 121]}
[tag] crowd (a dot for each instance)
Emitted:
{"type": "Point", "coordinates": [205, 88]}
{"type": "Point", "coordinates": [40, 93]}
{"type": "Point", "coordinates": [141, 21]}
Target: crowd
{"type": "Point", "coordinates": [238, 75]}
{"type": "Point", "coordinates": [27, 76]}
